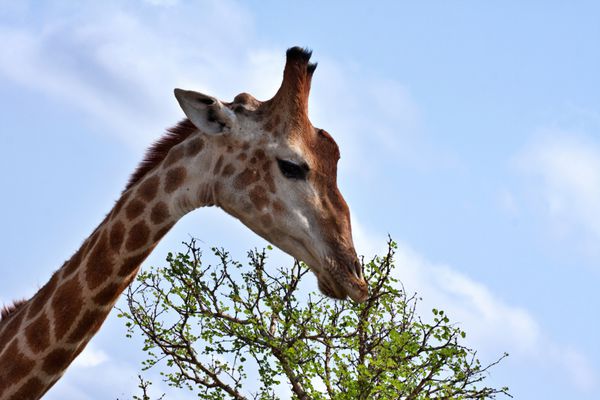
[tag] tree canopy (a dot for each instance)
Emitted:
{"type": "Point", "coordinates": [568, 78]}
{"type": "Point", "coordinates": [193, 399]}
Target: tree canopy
{"type": "Point", "coordinates": [237, 330]}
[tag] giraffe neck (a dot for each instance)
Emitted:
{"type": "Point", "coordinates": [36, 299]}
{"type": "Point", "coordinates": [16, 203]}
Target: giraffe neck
{"type": "Point", "coordinates": [40, 339]}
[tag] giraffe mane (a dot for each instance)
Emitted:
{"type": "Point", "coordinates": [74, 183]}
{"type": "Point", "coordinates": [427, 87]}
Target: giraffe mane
{"type": "Point", "coordinates": [159, 150]}
{"type": "Point", "coordinates": [7, 310]}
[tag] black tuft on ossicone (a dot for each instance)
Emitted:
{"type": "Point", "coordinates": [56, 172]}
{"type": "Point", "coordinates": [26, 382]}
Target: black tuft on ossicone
{"type": "Point", "coordinates": [310, 68]}
{"type": "Point", "coordinates": [298, 53]}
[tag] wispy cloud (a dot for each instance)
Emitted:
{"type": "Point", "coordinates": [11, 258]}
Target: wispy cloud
{"type": "Point", "coordinates": [90, 357]}
{"type": "Point", "coordinates": [96, 375]}
{"type": "Point", "coordinates": [564, 168]}
{"type": "Point", "coordinates": [121, 66]}
{"type": "Point", "coordinates": [493, 325]}
{"type": "Point", "coordinates": [369, 115]}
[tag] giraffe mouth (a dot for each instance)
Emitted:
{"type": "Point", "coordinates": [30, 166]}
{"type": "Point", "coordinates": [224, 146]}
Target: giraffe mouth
{"type": "Point", "coordinates": [332, 290]}
{"type": "Point", "coordinates": [352, 285]}
{"type": "Point", "coordinates": [356, 288]}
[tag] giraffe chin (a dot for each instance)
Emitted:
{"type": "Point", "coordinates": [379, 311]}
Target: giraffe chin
{"type": "Point", "coordinates": [328, 291]}
{"type": "Point", "coordinates": [352, 284]}
{"type": "Point", "coordinates": [358, 291]}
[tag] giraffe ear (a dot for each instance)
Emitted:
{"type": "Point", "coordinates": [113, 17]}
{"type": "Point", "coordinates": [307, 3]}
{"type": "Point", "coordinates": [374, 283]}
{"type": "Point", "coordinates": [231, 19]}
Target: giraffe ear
{"type": "Point", "coordinates": [207, 113]}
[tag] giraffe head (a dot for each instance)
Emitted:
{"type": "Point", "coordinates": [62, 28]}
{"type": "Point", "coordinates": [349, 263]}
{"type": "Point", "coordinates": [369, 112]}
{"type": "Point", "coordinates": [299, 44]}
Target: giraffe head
{"type": "Point", "coordinates": [276, 172]}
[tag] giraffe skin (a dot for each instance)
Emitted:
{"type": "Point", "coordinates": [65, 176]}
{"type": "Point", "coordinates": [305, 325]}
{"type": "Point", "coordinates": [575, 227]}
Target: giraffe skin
{"type": "Point", "coordinates": [262, 162]}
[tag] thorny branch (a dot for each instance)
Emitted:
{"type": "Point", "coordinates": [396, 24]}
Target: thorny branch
{"type": "Point", "coordinates": [205, 326]}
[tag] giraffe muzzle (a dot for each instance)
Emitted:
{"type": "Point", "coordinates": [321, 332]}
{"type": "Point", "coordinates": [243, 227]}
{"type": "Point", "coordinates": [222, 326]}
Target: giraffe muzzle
{"type": "Point", "coordinates": [351, 284]}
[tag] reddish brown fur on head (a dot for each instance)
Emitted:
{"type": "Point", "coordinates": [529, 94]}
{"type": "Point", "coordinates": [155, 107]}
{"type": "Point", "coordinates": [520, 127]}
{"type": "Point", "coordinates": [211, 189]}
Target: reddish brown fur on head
{"type": "Point", "coordinates": [276, 172]}
{"type": "Point", "coordinates": [321, 153]}
{"type": "Point", "coordinates": [291, 99]}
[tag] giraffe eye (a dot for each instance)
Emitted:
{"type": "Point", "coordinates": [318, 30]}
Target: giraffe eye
{"type": "Point", "coordinates": [292, 170]}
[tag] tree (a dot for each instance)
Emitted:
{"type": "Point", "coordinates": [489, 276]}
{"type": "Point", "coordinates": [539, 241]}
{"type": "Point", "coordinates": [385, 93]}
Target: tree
{"type": "Point", "coordinates": [207, 326]}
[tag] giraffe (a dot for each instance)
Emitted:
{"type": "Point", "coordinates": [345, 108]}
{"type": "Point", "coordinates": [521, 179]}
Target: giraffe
{"type": "Point", "coordinates": [262, 162]}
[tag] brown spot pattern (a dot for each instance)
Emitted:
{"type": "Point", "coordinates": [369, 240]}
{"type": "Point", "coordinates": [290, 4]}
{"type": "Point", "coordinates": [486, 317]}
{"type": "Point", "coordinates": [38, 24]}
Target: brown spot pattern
{"type": "Point", "coordinates": [259, 154]}
{"type": "Point", "coordinates": [278, 206]}
{"type": "Point", "coordinates": [72, 265]}
{"type": "Point", "coordinates": [66, 304]}
{"type": "Point", "coordinates": [117, 234]}
{"type": "Point", "coordinates": [134, 208]}
{"type": "Point", "coordinates": [120, 204]}
{"type": "Point", "coordinates": [108, 294]}
{"type": "Point", "coordinates": [259, 198]}
{"type": "Point", "coordinates": [194, 147]}
{"type": "Point", "coordinates": [242, 157]}
{"type": "Point", "coordinates": [137, 236]}
{"type": "Point", "coordinates": [42, 296]}
{"type": "Point", "coordinates": [174, 179]}
{"type": "Point", "coordinates": [57, 361]}
{"type": "Point", "coordinates": [228, 170]}
{"type": "Point", "coordinates": [132, 263]}
{"type": "Point", "coordinates": [15, 366]}
{"type": "Point", "coordinates": [33, 388]}
{"type": "Point", "coordinates": [149, 188]}
{"type": "Point", "coordinates": [246, 178]}
{"type": "Point", "coordinates": [93, 239]}
{"type": "Point", "coordinates": [11, 327]}
{"type": "Point", "coordinates": [161, 232]}
{"type": "Point", "coordinates": [99, 264]}
{"type": "Point", "coordinates": [37, 334]}
{"type": "Point", "coordinates": [160, 212]}
{"type": "Point", "coordinates": [89, 323]}
{"type": "Point", "coordinates": [77, 259]}
{"type": "Point", "coordinates": [270, 125]}
{"type": "Point", "coordinates": [128, 279]}
{"type": "Point", "coordinates": [174, 155]}
{"type": "Point", "coordinates": [266, 166]}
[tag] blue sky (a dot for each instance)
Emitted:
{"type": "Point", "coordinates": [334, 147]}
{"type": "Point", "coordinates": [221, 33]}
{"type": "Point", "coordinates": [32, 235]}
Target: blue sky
{"type": "Point", "coordinates": [469, 131]}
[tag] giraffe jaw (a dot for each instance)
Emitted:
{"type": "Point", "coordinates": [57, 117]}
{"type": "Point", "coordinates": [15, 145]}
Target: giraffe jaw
{"type": "Point", "coordinates": [345, 281]}
{"type": "Point", "coordinates": [340, 280]}
{"type": "Point", "coordinates": [356, 289]}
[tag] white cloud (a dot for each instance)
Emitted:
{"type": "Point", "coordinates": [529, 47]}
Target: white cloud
{"type": "Point", "coordinates": [565, 168]}
{"type": "Point", "coordinates": [120, 67]}
{"type": "Point", "coordinates": [94, 375]}
{"type": "Point", "coordinates": [368, 115]}
{"type": "Point", "coordinates": [490, 322]}
{"type": "Point", "coordinates": [90, 357]}
{"type": "Point", "coordinates": [493, 326]}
